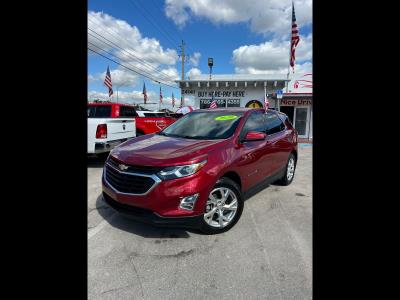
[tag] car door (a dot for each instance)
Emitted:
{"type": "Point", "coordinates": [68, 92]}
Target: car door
{"type": "Point", "coordinates": [254, 155]}
{"type": "Point", "coordinates": [278, 140]}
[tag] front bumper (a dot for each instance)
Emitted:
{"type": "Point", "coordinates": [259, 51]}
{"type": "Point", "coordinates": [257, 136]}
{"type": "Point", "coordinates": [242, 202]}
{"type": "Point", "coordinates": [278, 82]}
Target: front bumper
{"type": "Point", "coordinates": [149, 217]}
{"type": "Point", "coordinates": [162, 201]}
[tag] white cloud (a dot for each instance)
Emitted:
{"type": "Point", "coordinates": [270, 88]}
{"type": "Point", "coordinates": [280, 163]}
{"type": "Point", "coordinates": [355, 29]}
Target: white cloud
{"type": "Point", "coordinates": [123, 97]}
{"type": "Point", "coordinates": [172, 73]}
{"type": "Point", "coordinates": [192, 73]}
{"type": "Point", "coordinates": [136, 97]}
{"type": "Point", "coordinates": [268, 16]}
{"type": "Point", "coordinates": [91, 78]}
{"type": "Point", "coordinates": [195, 58]}
{"type": "Point", "coordinates": [271, 56]}
{"type": "Point", "coordinates": [134, 47]}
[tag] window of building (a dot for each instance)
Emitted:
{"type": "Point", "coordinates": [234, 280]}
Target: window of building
{"type": "Point", "coordinates": [205, 103]}
{"type": "Point", "coordinates": [233, 102]}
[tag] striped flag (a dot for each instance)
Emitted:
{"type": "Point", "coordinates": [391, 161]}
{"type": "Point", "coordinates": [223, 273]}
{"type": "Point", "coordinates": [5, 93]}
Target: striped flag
{"type": "Point", "coordinates": [213, 102]}
{"type": "Point", "coordinates": [108, 83]}
{"type": "Point", "coordinates": [173, 100]}
{"type": "Point", "coordinates": [161, 97]}
{"type": "Point", "coordinates": [266, 102]}
{"type": "Point", "coordinates": [144, 93]}
{"type": "Point", "coordinates": [294, 40]}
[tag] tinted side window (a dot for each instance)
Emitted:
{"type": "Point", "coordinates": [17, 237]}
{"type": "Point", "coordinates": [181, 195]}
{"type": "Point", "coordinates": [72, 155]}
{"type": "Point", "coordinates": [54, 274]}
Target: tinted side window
{"type": "Point", "coordinates": [126, 111]}
{"type": "Point", "coordinates": [99, 111]}
{"type": "Point", "coordinates": [274, 124]}
{"type": "Point", "coordinates": [255, 122]}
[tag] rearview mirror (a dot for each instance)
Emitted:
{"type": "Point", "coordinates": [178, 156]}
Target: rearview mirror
{"type": "Point", "coordinates": [252, 136]}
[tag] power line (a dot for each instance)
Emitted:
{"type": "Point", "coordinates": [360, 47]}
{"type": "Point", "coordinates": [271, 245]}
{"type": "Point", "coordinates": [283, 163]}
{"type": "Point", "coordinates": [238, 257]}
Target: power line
{"type": "Point", "coordinates": [141, 72]}
{"type": "Point", "coordinates": [163, 27]}
{"type": "Point", "coordinates": [126, 43]}
{"type": "Point", "coordinates": [122, 65]}
{"type": "Point", "coordinates": [165, 76]}
{"type": "Point", "coordinates": [177, 32]}
{"type": "Point", "coordinates": [173, 43]}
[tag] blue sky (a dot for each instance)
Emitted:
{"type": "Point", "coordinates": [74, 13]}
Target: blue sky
{"type": "Point", "coordinates": [241, 36]}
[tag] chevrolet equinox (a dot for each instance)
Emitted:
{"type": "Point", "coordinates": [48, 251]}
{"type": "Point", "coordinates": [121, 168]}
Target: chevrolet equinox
{"type": "Point", "coordinates": [194, 172]}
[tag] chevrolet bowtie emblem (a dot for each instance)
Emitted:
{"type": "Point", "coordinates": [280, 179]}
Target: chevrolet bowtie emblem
{"type": "Point", "coordinates": [122, 167]}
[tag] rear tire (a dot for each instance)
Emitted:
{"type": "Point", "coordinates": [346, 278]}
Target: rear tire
{"type": "Point", "coordinates": [223, 208]}
{"type": "Point", "coordinates": [289, 171]}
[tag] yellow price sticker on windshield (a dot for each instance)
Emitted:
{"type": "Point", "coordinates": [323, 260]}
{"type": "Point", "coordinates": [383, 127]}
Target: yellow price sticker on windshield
{"type": "Point", "coordinates": [224, 118]}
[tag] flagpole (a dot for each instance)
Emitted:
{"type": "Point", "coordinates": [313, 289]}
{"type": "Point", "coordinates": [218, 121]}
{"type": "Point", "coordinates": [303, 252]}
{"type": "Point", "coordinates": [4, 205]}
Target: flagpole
{"type": "Point", "coordinates": [290, 50]}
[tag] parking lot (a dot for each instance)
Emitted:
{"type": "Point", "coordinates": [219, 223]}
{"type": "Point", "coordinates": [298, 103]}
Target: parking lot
{"type": "Point", "coordinates": [266, 255]}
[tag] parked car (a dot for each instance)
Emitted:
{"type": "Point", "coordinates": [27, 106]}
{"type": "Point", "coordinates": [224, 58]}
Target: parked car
{"type": "Point", "coordinates": [194, 172]}
{"type": "Point", "coordinates": [109, 124]}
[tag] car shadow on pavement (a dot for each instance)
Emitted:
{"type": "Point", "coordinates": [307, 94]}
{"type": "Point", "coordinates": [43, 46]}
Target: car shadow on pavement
{"type": "Point", "coordinates": [145, 230]}
{"type": "Point", "coordinates": [96, 161]}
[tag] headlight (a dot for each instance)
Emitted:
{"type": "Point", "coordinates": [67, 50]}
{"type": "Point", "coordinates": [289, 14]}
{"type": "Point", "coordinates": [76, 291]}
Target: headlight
{"type": "Point", "coordinates": [180, 171]}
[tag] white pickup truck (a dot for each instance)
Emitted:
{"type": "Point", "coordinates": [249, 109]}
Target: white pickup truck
{"type": "Point", "coordinates": [109, 124]}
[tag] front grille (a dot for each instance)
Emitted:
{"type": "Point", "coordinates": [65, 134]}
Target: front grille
{"type": "Point", "coordinates": [134, 168]}
{"type": "Point", "coordinates": [128, 183]}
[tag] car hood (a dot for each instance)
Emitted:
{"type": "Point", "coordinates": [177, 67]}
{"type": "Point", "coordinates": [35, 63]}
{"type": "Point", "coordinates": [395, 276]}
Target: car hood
{"type": "Point", "coordinates": [158, 150]}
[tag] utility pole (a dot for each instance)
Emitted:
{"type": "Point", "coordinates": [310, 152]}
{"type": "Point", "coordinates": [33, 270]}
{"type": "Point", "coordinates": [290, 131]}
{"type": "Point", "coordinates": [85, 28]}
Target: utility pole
{"type": "Point", "coordinates": [183, 58]}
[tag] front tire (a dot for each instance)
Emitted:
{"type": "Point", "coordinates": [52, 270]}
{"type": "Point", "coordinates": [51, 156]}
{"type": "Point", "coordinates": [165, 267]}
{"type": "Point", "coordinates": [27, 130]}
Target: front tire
{"type": "Point", "coordinates": [223, 207]}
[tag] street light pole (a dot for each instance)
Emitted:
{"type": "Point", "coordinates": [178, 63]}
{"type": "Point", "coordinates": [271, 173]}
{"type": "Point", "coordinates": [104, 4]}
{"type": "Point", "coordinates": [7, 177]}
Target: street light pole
{"type": "Point", "coordinates": [210, 64]}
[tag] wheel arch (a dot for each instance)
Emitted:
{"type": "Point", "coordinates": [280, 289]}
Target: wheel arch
{"type": "Point", "coordinates": [294, 152]}
{"type": "Point", "coordinates": [232, 175]}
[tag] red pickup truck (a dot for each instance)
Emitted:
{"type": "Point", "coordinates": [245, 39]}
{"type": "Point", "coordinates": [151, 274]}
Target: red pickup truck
{"type": "Point", "coordinates": [146, 121]}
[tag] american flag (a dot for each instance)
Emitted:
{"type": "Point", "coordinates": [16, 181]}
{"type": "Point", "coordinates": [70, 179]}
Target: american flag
{"type": "Point", "coordinates": [213, 102]}
{"type": "Point", "coordinates": [266, 102]}
{"type": "Point", "coordinates": [144, 93]}
{"type": "Point", "coordinates": [107, 82]}
{"type": "Point", "coordinates": [173, 100]}
{"type": "Point", "coordinates": [160, 95]}
{"type": "Point", "coordinates": [295, 39]}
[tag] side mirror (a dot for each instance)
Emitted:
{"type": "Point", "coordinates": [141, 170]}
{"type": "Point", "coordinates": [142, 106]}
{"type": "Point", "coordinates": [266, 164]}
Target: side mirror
{"type": "Point", "coordinates": [252, 136]}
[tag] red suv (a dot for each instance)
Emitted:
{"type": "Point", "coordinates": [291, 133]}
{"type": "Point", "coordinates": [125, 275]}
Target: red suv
{"type": "Point", "coordinates": [194, 172]}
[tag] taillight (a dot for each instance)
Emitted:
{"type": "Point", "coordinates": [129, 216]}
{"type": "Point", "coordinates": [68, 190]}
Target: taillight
{"type": "Point", "coordinates": [101, 132]}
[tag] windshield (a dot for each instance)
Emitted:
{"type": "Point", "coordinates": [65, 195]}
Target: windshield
{"type": "Point", "coordinates": [204, 125]}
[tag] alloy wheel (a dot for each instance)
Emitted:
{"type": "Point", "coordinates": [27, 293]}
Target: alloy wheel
{"type": "Point", "coordinates": [221, 207]}
{"type": "Point", "coordinates": [290, 169]}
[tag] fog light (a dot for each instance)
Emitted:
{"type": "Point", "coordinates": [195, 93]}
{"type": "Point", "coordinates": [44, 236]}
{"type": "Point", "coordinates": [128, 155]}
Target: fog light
{"type": "Point", "coordinates": [188, 202]}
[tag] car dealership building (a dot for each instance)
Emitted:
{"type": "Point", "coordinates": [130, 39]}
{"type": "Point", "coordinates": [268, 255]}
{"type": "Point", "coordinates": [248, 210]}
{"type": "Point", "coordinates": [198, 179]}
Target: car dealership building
{"type": "Point", "coordinates": [247, 90]}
